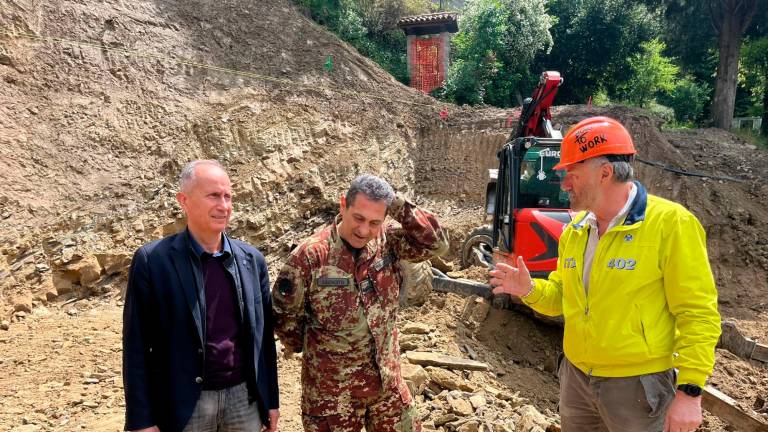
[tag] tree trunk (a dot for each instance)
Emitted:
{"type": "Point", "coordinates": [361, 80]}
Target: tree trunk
{"type": "Point", "coordinates": [764, 126]}
{"type": "Point", "coordinates": [729, 45]}
{"type": "Point", "coordinates": [731, 18]}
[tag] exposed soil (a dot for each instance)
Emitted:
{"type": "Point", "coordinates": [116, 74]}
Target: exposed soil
{"type": "Point", "coordinates": [91, 140]}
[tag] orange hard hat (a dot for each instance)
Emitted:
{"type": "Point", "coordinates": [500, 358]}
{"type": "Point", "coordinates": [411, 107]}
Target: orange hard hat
{"type": "Point", "coordinates": [595, 136]}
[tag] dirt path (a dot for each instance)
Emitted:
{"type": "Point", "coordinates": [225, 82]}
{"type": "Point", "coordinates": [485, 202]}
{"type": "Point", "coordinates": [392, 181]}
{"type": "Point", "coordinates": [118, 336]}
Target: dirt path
{"type": "Point", "coordinates": [60, 369]}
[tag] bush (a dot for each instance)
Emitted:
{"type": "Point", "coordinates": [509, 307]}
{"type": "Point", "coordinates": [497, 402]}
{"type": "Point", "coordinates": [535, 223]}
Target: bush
{"type": "Point", "coordinates": [688, 99]}
{"type": "Point", "coordinates": [463, 84]}
{"type": "Point", "coordinates": [663, 112]}
{"type": "Point", "coordinates": [601, 98]}
{"type": "Point", "coordinates": [494, 48]}
{"type": "Point", "coordinates": [652, 73]}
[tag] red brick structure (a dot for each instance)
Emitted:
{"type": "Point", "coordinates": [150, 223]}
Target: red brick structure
{"type": "Point", "coordinates": [429, 45]}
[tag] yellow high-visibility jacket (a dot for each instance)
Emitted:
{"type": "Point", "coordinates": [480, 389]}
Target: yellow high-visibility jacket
{"type": "Point", "coordinates": [652, 301]}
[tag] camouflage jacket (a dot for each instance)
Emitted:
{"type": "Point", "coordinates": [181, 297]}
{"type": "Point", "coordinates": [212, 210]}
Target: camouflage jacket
{"type": "Point", "coordinates": [341, 312]}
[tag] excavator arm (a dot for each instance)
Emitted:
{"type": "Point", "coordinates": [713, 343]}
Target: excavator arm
{"type": "Point", "coordinates": [536, 117]}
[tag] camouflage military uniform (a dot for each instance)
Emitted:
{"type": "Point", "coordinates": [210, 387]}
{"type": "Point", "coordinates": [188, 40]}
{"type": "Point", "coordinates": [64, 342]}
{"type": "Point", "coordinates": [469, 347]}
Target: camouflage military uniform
{"type": "Point", "coordinates": [341, 311]}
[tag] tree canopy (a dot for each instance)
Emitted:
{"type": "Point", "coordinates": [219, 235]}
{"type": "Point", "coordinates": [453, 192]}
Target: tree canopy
{"type": "Point", "coordinates": [494, 48]}
{"type": "Point", "coordinates": [686, 54]}
{"type": "Point", "coordinates": [593, 42]}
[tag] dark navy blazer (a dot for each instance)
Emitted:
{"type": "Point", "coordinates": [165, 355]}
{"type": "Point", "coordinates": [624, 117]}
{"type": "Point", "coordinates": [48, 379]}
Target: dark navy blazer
{"type": "Point", "coordinates": [163, 333]}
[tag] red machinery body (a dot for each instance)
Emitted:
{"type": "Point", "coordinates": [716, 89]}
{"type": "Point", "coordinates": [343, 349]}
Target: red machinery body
{"type": "Point", "coordinates": [537, 233]}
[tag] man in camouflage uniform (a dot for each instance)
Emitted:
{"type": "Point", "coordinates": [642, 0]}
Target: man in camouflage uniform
{"type": "Point", "coordinates": [336, 300]}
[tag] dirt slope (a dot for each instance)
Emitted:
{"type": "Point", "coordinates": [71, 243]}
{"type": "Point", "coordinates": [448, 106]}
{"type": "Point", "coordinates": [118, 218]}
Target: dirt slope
{"type": "Point", "coordinates": [92, 139]}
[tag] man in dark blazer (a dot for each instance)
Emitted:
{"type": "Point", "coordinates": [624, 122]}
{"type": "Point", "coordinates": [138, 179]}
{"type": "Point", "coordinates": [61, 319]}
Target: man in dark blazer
{"type": "Point", "coordinates": [198, 345]}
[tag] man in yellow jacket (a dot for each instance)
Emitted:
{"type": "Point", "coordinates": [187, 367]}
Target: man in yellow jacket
{"type": "Point", "coordinates": [636, 291]}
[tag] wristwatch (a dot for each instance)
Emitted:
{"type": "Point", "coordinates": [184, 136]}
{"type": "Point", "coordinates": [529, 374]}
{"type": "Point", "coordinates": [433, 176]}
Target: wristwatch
{"type": "Point", "coordinates": [690, 389]}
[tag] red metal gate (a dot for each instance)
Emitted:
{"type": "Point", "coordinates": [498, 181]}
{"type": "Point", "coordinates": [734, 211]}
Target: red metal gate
{"type": "Point", "coordinates": [427, 67]}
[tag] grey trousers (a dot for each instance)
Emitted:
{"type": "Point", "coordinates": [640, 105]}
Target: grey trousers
{"type": "Point", "coordinates": [225, 411]}
{"type": "Point", "coordinates": [626, 404]}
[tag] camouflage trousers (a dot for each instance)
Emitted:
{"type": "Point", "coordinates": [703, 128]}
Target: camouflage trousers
{"type": "Point", "coordinates": [386, 414]}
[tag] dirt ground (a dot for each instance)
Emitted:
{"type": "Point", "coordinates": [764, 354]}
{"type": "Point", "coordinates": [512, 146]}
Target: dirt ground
{"type": "Point", "coordinates": [91, 140]}
{"type": "Point", "coordinates": [60, 366]}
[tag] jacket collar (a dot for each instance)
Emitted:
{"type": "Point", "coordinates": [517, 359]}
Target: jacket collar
{"type": "Point", "coordinates": [226, 248]}
{"type": "Point", "coordinates": [635, 214]}
{"type": "Point", "coordinates": [637, 209]}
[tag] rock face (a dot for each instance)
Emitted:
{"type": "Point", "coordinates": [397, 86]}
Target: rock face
{"type": "Point", "coordinates": [460, 407]}
{"type": "Point", "coordinates": [446, 379]}
{"type": "Point", "coordinates": [109, 132]}
{"type": "Point", "coordinates": [92, 141]}
{"type": "Point", "coordinates": [415, 376]}
{"type": "Point", "coordinates": [531, 420]}
{"type": "Point", "coordinates": [454, 404]}
{"type": "Point", "coordinates": [415, 328]}
{"type": "Point", "coordinates": [86, 271]}
{"type": "Point", "coordinates": [114, 262]}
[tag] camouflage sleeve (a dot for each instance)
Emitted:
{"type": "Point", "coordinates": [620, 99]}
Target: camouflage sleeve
{"type": "Point", "coordinates": [288, 294]}
{"type": "Point", "coordinates": [420, 236]}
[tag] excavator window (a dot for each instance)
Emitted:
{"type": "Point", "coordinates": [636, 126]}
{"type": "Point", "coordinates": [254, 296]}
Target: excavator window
{"type": "Point", "coordinates": [539, 182]}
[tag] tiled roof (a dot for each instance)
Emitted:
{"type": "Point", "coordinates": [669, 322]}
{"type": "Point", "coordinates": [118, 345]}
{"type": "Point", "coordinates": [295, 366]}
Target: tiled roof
{"type": "Point", "coordinates": [428, 19]}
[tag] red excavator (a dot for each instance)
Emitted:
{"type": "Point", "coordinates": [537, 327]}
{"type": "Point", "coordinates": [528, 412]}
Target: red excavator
{"type": "Point", "coordinates": [523, 197]}
{"type": "Point", "coordinates": [530, 213]}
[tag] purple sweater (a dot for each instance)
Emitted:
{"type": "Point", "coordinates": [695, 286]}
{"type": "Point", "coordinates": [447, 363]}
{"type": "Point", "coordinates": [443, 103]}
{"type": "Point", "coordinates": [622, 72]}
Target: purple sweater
{"type": "Point", "coordinates": [224, 366]}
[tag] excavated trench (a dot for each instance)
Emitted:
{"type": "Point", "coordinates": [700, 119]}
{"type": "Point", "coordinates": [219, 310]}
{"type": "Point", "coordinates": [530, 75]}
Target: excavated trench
{"type": "Point", "coordinates": [452, 161]}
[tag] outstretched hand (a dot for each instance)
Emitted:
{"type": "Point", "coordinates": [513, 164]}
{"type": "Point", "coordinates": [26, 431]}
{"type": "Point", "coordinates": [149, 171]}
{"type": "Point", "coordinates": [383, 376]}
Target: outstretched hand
{"type": "Point", "coordinates": [507, 279]}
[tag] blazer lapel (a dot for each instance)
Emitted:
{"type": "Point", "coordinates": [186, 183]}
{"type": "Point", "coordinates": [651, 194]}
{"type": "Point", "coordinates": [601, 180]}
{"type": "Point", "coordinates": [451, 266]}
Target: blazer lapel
{"type": "Point", "coordinates": [183, 266]}
{"type": "Point", "coordinates": [249, 276]}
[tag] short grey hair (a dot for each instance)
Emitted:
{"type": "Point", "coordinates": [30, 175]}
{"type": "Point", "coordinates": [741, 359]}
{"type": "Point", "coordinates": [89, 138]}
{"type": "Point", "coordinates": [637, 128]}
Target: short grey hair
{"type": "Point", "coordinates": [187, 176]}
{"type": "Point", "coordinates": [374, 188]}
{"type": "Point", "coordinates": [623, 172]}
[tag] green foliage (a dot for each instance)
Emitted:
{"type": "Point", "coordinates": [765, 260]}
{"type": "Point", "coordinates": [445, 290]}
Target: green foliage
{"type": "Point", "coordinates": [325, 12]}
{"type": "Point", "coordinates": [652, 73]}
{"type": "Point", "coordinates": [691, 38]}
{"type": "Point", "coordinates": [754, 68]}
{"type": "Point", "coordinates": [593, 41]}
{"type": "Point", "coordinates": [415, 7]}
{"type": "Point", "coordinates": [688, 98]}
{"type": "Point", "coordinates": [493, 50]}
{"type": "Point", "coordinates": [663, 112]}
{"type": "Point", "coordinates": [350, 25]}
{"type": "Point", "coordinates": [601, 99]}
{"type": "Point", "coordinates": [463, 85]}
{"type": "Point", "coordinates": [754, 59]}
